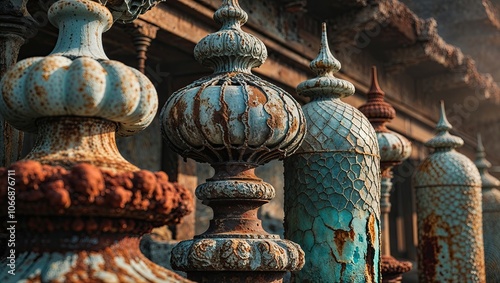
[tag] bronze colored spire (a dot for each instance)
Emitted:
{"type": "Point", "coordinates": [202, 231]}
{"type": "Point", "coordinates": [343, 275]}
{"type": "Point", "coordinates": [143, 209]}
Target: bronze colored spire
{"type": "Point", "coordinates": [376, 109]}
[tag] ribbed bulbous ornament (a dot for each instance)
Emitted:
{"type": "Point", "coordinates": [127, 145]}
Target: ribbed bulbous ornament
{"type": "Point", "coordinates": [97, 97]}
{"type": "Point", "coordinates": [235, 121]}
{"type": "Point", "coordinates": [450, 230]}
{"type": "Point", "coordinates": [232, 115]}
{"type": "Point", "coordinates": [78, 80]}
{"type": "Point", "coordinates": [332, 183]}
{"type": "Point", "coordinates": [491, 214]}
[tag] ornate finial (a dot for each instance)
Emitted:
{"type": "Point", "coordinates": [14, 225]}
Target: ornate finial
{"type": "Point", "coordinates": [230, 49]}
{"type": "Point", "coordinates": [378, 112]}
{"type": "Point", "coordinates": [235, 121]}
{"type": "Point", "coordinates": [125, 11]}
{"type": "Point", "coordinates": [488, 181]}
{"type": "Point", "coordinates": [325, 64]}
{"type": "Point", "coordinates": [325, 84]}
{"type": "Point", "coordinates": [443, 139]}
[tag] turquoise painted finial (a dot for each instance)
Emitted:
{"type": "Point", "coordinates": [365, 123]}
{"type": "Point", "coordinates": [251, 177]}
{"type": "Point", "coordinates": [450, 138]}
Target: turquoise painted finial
{"type": "Point", "coordinates": [325, 83]}
{"type": "Point", "coordinates": [482, 164]}
{"type": "Point", "coordinates": [231, 49]}
{"type": "Point", "coordinates": [443, 139]}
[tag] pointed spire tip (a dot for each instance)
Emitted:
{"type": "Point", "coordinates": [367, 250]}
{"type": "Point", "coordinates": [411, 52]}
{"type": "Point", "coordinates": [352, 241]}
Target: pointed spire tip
{"type": "Point", "coordinates": [375, 87]}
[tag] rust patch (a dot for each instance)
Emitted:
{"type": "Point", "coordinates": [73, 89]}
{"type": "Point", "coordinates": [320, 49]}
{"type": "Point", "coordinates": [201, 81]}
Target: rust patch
{"type": "Point", "coordinates": [341, 237]}
{"type": "Point", "coordinates": [370, 253]}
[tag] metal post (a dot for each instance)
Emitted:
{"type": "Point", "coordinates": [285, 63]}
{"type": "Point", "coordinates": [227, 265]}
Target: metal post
{"type": "Point", "coordinates": [394, 148]}
{"type": "Point", "coordinates": [235, 121]}
{"type": "Point", "coordinates": [332, 183]}
{"type": "Point", "coordinates": [76, 206]}
{"type": "Point", "coordinates": [491, 215]}
{"type": "Point", "coordinates": [449, 214]}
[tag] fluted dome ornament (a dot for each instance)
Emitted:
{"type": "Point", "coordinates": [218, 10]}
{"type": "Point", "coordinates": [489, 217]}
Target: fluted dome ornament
{"type": "Point", "coordinates": [394, 148]}
{"type": "Point", "coordinates": [81, 208]}
{"type": "Point", "coordinates": [77, 81]}
{"type": "Point", "coordinates": [332, 183]}
{"type": "Point", "coordinates": [449, 214]}
{"type": "Point", "coordinates": [235, 121]}
{"type": "Point", "coordinates": [491, 214]}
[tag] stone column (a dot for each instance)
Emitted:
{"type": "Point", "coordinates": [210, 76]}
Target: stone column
{"type": "Point", "coordinates": [80, 207]}
{"type": "Point", "coordinates": [491, 215]}
{"type": "Point", "coordinates": [394, 148]}
{"type": "Point", "coordinates": [235, 121]}
{"type": "Point", "coordinates": [332, 183]}
{"type": "Point", "coordinates": [449, 214]}
{"type": "Point", "coordinates": [16, 25]}
{"type": "Point", "coordinates": [142, 34]}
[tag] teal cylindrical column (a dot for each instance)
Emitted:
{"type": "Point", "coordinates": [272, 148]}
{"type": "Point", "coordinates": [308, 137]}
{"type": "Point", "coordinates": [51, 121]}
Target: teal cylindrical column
{"type": "Point", "coordinates": [332, 183]}
{"type": "Point", "coordinates": [491, 214]}
{"type": "Point", "coordinates": [450, 230]}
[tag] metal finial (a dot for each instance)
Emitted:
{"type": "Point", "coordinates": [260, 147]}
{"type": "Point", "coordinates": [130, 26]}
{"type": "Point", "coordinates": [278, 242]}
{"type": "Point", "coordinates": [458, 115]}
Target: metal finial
{"type": "Point", "coordinates": [374, 87]}
{"type": "Point", "coordinates": [325, 84]}
{"type": "Point", "coordinates": [443, 138]}
{"type": "Point", "coordinates": [482, 164]}
{"type": "Point", "coordinates": [376, 109]}
{"type": "Point", "coordinates": [443, 124]}
{"type": "Point", "coordinates": [325, 64]}
{"type": "Point", "coordinates": [230, 15]}
{"type": "Point", "coordinates": [230, 49]}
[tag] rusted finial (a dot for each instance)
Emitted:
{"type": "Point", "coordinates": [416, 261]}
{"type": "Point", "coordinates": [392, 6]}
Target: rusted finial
{"type": "Point", "coordinates": [443, 124]}
{"type": "Point", "coordinates": [375, 88]}
{"type": "Point", "coordinates": [376, 109]}
{"type": "Point", "coordinates": [482, 164]}
{"type": "Point", "coordinates": [230, 49]}
{"type": "Point", "coordinates": [325, 84]}
{"type": "Point", "coordinates": [443, 138]}
{"type": "Point", "coordinates": [325, 64]}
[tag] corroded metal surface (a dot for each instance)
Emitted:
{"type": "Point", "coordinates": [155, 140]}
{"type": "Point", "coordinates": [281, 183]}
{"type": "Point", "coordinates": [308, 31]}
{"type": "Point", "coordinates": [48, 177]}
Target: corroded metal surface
{"type": "Point", "coordinates": [491, 215]}
{"type": "Point", "coordinates": [450, 230]}
{"type": "Point", "coordinates": [332, 184]}
{"type": "Point", "coordinates": [235, 121]}
{"type": "Point", "coordinates": [392, 269]}
{"type": "Point", "coordinates": [394, 148]}
{"type": "Point", "coordinates": [81, 208]}
{"type": "Point", "coordinates": [120, 261]}
{"type": "Point", "coordinates": [88, 85]}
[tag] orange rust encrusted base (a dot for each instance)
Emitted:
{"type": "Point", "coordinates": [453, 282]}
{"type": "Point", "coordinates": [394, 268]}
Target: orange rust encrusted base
{"type": "Point", "coordinates": [90, 191]}
{"type": "Point", "coordinates": [393, 269]}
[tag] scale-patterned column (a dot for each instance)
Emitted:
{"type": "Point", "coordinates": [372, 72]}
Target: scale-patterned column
{"type": "Point", "coordinates": [332, 183]}
{"type": "Point", "coordinates": [235, 121]}
{"type": "Point", "coordinates": [80, 207]}
{"type": "Point", "coordinates": [450, 228]}
{"type": "Point", "coordinates": [491, 215]}
{"type": "Point", "coordinates": [394, 148]}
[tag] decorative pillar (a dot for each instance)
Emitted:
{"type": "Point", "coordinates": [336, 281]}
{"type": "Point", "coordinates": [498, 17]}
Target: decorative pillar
{"type": "Point", "coordinates": [491, 215]}
{"type": "Point", "coordinates": [332, 183]}
{"type": "Point", "coordinates": [143, 34]}
{"type": "Point", "coordinates": [76, 206]}
{"type": "Point", "coordinates": [16, 25]}
{"type": "Point", "coordinates": [449, 214]}
{"type": "Point", "coordinates": [235, 121]}
{"type": "Point", "coordinates": [394, 148]}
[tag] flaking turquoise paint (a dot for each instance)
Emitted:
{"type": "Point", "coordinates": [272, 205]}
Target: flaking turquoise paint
{"type": "Point", "coordinates": [332, 184]}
